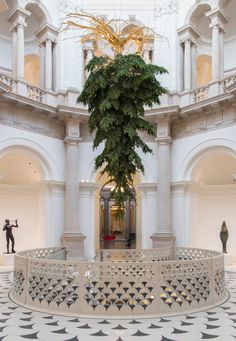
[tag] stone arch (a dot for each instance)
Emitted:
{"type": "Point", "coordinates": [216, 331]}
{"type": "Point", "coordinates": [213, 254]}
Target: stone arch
{"type": "Point", "coordinates": [198, 7]}
{"type": "Point", "coordinates": [41, 155]}
{"type": "Point", "coordinates": [40, 9]}
{"type": "Point", "coordinates": [211, 194]}
{"type": "Point", "coordinates": [25, 194]}
{"type": "Point", "coordinates": [193, 157]}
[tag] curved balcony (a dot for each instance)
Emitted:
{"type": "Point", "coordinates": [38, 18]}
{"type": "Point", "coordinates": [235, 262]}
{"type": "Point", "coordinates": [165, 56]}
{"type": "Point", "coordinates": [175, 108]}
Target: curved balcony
{"type": "Point", "coordinates": [120, 283]}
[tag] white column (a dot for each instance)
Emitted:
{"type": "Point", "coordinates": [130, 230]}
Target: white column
{"type": "Point", "coordinates": [48, 64]}
{"type": "Point", "coordinates": [14, 54]}
{"type": "Point", "coordinates": [47, 37]}
{"type": "Point", "coordinates": [18, 21]}
{"type": "Point", "coordinates": [187, 65]}
{"type": "Point", "coordinates": [42, 64]}
{"type": "Point", "coordinates": [181, 67]}
{"type": "Point", "coordinates": [164, 235]}
{"type": "Point", "coordinates": [188, 39]}
{"type": "Point", "coordinates": [194, 66]}
{"type": "Point", "coordinates": [72, 239]}
{"type": "Point", "coordinates": [217, 24]}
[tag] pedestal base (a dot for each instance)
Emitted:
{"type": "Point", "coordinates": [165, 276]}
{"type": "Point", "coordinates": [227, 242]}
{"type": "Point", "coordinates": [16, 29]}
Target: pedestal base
{"type": "Point", "coordinates": [228, 259]}
{"type": "Point", "coordinates": [163, 239]}
{"type": "Point", "coordinates": [7, 259]}
{"type": "Point", "coordinates": [74, 243]}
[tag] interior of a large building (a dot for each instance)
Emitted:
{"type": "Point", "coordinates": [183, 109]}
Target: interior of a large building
{"type": "Point", "coordinates": [48, 182]}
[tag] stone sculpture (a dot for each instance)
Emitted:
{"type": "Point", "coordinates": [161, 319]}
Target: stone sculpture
{"type": "Point", "coordinates": [224, 235]}
{"type": "Point", "coordinates": [9, 236]}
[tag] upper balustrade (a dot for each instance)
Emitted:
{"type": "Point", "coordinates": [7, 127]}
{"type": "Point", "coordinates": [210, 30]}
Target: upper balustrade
{"type": "Point", "coordinates": [68, 98]}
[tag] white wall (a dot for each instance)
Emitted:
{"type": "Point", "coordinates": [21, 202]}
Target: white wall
{"type": "Point", "coordinates": [20, 204]}
{"type": "Point", "coordinates": [6, 57]}
{"type": "Point", "coordinates": [215, 205]}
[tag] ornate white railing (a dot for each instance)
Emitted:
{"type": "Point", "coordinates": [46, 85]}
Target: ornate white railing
{"type": "Point", "coordinates": [34, 93]}
{"type": "Point", "coordinates": [200, 94]}
{"type": "Point", "coordinates": [7, 80]}
{"type": "Point", "coordinates": [120, 282]}
{"type": "Point", "coordinates": [229, 82]}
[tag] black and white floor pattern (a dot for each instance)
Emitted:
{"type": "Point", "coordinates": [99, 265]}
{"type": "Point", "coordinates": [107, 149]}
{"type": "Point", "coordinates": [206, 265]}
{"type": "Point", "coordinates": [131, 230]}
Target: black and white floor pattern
{"type": "Point", "coordinates": [18, 323]}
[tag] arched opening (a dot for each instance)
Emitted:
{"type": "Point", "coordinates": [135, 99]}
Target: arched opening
{"type": "Point", "coordinates": [212, 199]}
{"type": "Point", "coordinates": [32, 69]}
{"type": "Point", "coordinates": [6, 38]}
{"type": "Point", "coordinates": [229, 8]}
{"type": "Point", "coordinates": [23, 196]}
{"type": "Point", "coordinates": [200, 22]}
{"type": "Point", "coordinates": [35, 21]}
{"type": "Point", "coordinates": [116, 233]}
{"type": "Point", "coordinates": [204, 70]}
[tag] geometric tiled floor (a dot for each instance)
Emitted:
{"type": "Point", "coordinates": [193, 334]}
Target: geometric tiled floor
{"type": "Point", "coordinates": [18, 323]}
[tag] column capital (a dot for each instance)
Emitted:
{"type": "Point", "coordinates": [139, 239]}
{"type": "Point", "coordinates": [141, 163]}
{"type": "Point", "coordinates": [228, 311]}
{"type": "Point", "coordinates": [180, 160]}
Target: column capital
{"type": "Point", "coordinates": [163, 135]}
{"type": "Point", "coordinates": [18, 17]}
{"type": "Point", "coordinates": [47, 32]}
{"type": "Point", "coordinates": [88, 45]}
{"type": "Point", "coordinates": [217, 18]}
{"type": "Point", "coordinates": [72, 131]}
{"type": "Point", "coordinates": [188, 33]}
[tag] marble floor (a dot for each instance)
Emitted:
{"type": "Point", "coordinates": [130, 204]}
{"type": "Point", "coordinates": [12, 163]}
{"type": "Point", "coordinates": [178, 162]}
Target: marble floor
{"type": "Point", "coordinates": [18, 323]}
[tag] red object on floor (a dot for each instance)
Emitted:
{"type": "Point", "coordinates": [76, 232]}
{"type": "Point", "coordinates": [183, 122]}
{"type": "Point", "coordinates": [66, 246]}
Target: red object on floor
{"type": "Point", "coordinates": [110, 237]}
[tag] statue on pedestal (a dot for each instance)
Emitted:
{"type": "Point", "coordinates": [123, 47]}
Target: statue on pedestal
{"type": "Point", "coordinates": [9, 236]}
{"type": "Point", "coordinates": [224, 235]}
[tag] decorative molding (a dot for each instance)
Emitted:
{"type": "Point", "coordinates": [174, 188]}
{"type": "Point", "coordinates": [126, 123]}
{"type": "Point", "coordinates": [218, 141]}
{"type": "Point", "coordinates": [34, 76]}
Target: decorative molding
{"type": "Point", "coordinates": [72, 131]}
{"type": "Point", "coordinates": [163, 130]}
{"type": "Point", "coordinates": [18, 17]}
{"type": "Point", "coordinates": [47, 32]}
{"type": "Point", "coordinates": [187, 32]}
{"type": "Point", "coordinates": [30, 119]}
{"type": "Point", "coordinates": [67, 6]}
{"type": "Point", "coordinates": [166, 7]}
{"type": "Point", "coordinates": [203, 121]}
{"type": "Point", "coordinates": [217, 18]}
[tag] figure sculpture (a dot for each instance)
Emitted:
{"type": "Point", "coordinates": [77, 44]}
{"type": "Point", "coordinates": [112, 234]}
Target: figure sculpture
{"type": "Point", "coordinates": [224, 235]}
{"type": "Point", "coordinates": [9, 236]}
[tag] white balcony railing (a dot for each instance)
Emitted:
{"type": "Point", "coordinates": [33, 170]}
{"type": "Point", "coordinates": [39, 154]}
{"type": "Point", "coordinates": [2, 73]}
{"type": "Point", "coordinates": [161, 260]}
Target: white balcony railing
{"type": "Point", "coordinates": [69, 98]}
{"type": "Point", "coordinates": [200, 94]}
{"type": "Point", "coordinates": [7, 80]}
{"type": "Point", "coordinates": [34, 93]}
{"type": "Point", "coordinates": [229, 82]}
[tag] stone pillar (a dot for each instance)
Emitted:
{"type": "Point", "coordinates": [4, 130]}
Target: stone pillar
{"type": "Point", "coordinates": [18, 21]}
{"type": "Point", "coordinates": [42, 64]}
{"type": "Point", "coordinates": [164, 235]}
{"type": "Point", "coordinates": [188, 40]}
{"type": "Point", "coordinates": [106, 215]}
{"type": "Point", "coordinates": [72, 239]}
{"type": "Point", "coordinates": [217, 24]}
{"type": "Point", "coordinates": [48, 65]}
{"type": "Point", "coordinates": [127, 218]}
{"type": "Point", "coordinates": [88, 50]}
{"type": "Point", "coordinates": [47, 37]}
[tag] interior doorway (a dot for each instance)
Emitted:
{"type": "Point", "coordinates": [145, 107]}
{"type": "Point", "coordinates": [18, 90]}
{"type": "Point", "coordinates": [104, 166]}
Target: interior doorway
{"type": "Point", "coordinates": [116, 233]}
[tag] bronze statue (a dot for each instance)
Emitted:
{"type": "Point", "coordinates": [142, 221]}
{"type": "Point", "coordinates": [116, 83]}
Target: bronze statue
{"type": "Point", "coordinates": [9, 236]}
{"type": "Point", "coordinates": [224, 235]}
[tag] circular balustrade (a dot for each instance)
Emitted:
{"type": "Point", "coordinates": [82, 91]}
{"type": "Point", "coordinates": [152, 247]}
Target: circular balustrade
{"type": "Point", "coordinates": [123, 283]}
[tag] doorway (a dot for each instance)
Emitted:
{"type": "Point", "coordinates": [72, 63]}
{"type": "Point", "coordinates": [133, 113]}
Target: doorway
{"type": "Point", "coordinates": [116, 233]}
